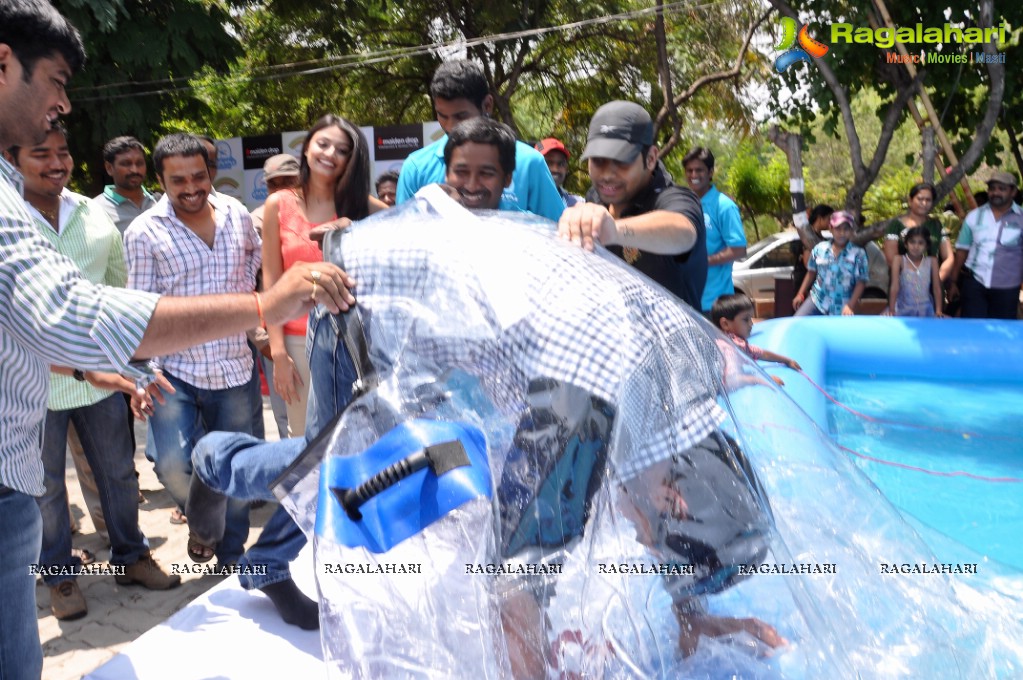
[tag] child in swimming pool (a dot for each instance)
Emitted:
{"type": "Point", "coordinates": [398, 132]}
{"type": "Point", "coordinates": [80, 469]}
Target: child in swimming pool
{"type": "Point", "coordinates": [733, 314]}
{"type": "Point", "coordinates": [916, 287]}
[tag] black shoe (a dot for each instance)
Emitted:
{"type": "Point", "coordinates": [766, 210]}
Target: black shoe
{"type": "Point", "coordinates": [294, 607]}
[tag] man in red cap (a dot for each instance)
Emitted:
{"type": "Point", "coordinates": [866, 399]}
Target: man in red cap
{"type": "Point", "coordinates": [556, 155]}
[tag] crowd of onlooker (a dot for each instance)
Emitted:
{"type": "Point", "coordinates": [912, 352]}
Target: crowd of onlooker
{"type": "Point", "coordinates": [978, 276]}
{"type": "Point", "coordinates": [189, 241]}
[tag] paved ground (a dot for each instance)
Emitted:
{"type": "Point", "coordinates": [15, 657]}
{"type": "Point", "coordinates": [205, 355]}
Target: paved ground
{"type": "Point", "coordinates": [119, 614]}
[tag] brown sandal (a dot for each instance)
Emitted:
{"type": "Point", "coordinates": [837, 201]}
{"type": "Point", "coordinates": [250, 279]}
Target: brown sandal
{"type": "Point", "coordinates": [84, 555]}
{"type": "Point", "coordinates": [197, 549]}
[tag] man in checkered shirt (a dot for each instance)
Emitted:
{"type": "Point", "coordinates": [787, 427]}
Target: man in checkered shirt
{"type": "Point", "coordinates": [194, 242]}
{"type": "Point", "coordinates": [547, 309]}
{"type": "Point", "coordinates": [435, 298]}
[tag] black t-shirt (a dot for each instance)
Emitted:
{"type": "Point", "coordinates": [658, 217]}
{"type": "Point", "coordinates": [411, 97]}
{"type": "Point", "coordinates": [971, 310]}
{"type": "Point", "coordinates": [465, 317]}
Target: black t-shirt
{"type": "Point", "coordinates": [684, 275]}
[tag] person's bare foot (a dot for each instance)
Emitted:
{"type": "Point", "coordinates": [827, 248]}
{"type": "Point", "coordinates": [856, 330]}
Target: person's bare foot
{"type": "Point", "coordinates": [694, 625]}
{"type": "Point", "coordinates": [178, 517]}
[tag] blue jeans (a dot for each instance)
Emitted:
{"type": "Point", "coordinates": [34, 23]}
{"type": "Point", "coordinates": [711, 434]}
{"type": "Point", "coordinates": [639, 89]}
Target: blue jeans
{"type": "Point", "coordinates": [244, 467]}
{"type": "Point", "coordinates": [189, 414]}
{"type": "Point", "coordinates": [21, 529]}
{"type": "Point", "coordinates": [277, 405]}
{"type": "Point", "coordinates": [256, 396]}
{"type": "Point", "coordinates": [331, 371]}
{"type": "Point", "coordinates": [103, 430]}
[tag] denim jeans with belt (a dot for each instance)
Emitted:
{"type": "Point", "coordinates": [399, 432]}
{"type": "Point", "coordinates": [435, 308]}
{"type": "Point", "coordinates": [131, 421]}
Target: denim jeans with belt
{"type": "Point", "coordinates": [178, 425]}
{"type": "Point", "coordinates": [103, 430]}
{"type": "Point", "coordinates": [20, 537]}
{"type": "Point", "coordinates": [243, 467]}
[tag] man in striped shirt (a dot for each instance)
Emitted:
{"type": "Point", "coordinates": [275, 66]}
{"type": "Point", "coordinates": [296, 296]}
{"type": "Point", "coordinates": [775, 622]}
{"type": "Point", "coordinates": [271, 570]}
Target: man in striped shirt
{"type": "Point", "coordinates": [51, 315]}
{"type": "Point", "coordinates": [89, 401]}
{"type": "Point", "coordinates": [197, 242]}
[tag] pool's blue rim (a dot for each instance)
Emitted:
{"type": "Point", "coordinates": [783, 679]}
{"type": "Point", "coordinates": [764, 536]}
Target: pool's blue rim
{"type": "Point", "coordinates": [973, 350]}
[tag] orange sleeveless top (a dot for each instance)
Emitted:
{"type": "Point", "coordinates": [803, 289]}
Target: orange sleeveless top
{"type": "Point", "coordinates": [296, 246]}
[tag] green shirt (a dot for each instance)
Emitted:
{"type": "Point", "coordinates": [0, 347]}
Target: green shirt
{"type": "Point", "coordinates": [50, 315]}
{"type": "Point", "coordinates": [897, 232]}
{"type": "Point", "coordinates": [89, 239]}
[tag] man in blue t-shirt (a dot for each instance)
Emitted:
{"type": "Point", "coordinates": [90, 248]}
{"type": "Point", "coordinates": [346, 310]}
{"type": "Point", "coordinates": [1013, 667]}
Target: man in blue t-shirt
{"type": "Point", "coordinates": [726, 238]}
{"type": "Point", "coordinates": [460, 92]}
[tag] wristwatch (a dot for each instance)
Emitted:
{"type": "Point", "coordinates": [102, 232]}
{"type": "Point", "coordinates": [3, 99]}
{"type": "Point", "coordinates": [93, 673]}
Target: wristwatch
{"type": "Point", "coordinates": [78, 375]}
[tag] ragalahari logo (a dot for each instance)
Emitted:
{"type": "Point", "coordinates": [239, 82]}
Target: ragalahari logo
{"type": "Point", "coordinates": [808, 47]}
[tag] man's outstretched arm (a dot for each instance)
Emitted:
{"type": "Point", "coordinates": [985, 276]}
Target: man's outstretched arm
{"type": "Point", "coordinates": [179, 322]}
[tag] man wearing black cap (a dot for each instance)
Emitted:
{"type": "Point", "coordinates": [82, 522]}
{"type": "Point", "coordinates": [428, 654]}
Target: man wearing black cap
{"type": "Point", "coordinates": [990, 245]}
{"type": "Point", "coordinates": [635, 209]}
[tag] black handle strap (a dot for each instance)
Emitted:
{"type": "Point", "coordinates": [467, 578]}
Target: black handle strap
{"type": "Point", "coordinates": [440, 458]}
{"type": "Point", "coordinates": [352, 333]}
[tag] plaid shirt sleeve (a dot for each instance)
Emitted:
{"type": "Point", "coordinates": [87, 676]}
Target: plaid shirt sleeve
{"type": "Point", "coordinates": [138, 255]}
{"type": "Point", "coordinates": [253, 245]}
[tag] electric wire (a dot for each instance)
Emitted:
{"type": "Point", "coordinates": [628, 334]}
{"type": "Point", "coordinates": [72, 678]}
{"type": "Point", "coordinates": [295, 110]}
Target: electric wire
{"type": "Point", "coordinates": [327, 64]}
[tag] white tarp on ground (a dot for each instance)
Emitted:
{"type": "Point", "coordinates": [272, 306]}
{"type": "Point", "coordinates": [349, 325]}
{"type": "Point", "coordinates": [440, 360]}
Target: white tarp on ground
{"type": "Point", "coordinates": [225, 633]}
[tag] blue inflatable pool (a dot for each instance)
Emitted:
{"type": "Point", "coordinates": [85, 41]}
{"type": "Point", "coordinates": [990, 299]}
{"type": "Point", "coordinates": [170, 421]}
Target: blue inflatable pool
{"type": "Point", "coordinates": [928, 409]}
{"type": "Point", "coordinates": [972, 351]}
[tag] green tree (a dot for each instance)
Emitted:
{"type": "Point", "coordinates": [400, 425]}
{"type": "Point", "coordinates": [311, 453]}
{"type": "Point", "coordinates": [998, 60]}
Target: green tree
{"type": "Point", "coordinates": [703, 67]}
{"type": "Point", "coordinates": [376, 65]}
{"type": "Point", "coordinates": [557, 60]}
{"type": "Point", "coordinates": [139, 50]}
{"type": "Point", "coordinates": [833, 81]}
{"type": "Point", "coordinates": [757, 179]}
{"type": "Point", "coordinates": [829, 174]}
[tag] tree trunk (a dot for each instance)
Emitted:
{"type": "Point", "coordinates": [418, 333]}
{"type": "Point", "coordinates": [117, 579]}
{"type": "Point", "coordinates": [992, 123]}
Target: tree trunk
{"type": "Point", "coordinates": [792, 145]}
{"type": "Point", "coordinates": [863, 174]}
{"type": "Point", "coordinates": [753, 219]}
{"type": "Point", "coordinates": [996, 91]}
{"type": "Point", "coordinates": [1013, 140]}
{"type": "Point", "coordinates": [927, 135]}
{"type": "Point", "coordinates": [669, 113]}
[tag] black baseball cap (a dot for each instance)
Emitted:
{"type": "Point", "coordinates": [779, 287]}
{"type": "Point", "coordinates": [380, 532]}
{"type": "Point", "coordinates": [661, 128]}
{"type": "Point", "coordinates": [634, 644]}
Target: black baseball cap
{"type": "Point", "coordinates": [619, 130]}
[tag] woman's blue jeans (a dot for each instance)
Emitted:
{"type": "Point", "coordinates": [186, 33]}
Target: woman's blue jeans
{"type": "Point", "coordinates": [243, 467]}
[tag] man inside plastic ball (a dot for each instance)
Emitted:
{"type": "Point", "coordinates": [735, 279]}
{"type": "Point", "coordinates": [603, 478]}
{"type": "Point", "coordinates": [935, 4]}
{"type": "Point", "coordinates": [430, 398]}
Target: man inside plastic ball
{"type": "Point", "coordinates": [698, 509]}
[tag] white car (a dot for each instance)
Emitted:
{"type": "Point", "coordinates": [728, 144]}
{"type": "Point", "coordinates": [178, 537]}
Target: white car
{"type": "Point", "coordinates": [776, 256]}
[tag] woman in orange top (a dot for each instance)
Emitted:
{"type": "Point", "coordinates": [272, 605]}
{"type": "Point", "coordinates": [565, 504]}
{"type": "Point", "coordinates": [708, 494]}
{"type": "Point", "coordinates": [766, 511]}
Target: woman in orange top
{"type": "Point", "coordinates": [333, 183]}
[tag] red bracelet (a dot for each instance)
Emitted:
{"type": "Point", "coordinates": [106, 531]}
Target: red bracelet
{"type": "Point", "coordinates": [259, 308]}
